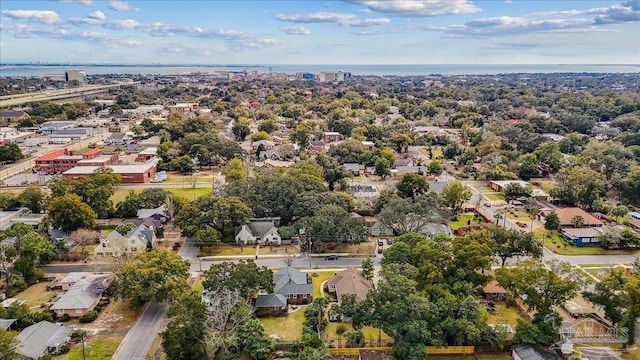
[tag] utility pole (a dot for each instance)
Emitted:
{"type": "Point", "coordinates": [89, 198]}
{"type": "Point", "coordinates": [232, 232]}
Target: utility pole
{"type": "Point", "coordinates": [83, 354]}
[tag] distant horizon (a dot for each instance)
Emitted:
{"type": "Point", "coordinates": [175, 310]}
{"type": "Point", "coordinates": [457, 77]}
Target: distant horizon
{"type": "Point", "coordinates": [38, 63]}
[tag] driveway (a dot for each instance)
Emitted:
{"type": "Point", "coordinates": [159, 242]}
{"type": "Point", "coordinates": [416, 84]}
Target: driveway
{"type": "Point", "coordinates": [138, 340]}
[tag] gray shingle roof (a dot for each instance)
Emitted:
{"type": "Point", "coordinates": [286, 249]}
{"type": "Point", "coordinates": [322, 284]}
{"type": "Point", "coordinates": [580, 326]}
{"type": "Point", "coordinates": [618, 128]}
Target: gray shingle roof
{"type": "Point", "coordinates": [83, 293]}
{"type": "Point", "coordinates": [271, 300]}
{"type": "Point", "coordinates": [291, 281]}
{"type": "Point", "coordinates": [528, 352]}
{"type": "Point", "coordinates": [5, 324]}
{"type": "Point", "coordinates": [35, 339]}
{"type": "Point", "coordinates": [147, 213]}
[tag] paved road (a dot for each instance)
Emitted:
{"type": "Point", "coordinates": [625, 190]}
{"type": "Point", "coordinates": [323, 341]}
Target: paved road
{"type": "Point", "coordinates": [138, 340]}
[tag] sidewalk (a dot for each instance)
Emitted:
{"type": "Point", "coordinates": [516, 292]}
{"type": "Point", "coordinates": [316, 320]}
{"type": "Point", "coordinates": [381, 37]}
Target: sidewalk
{"type": "Point", "coordinates": [276, 256]}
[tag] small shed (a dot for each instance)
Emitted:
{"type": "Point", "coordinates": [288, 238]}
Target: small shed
{"type": "Point", "coordinates": [493, 291]}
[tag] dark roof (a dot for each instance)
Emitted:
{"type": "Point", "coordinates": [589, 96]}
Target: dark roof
{"type": "Point", "coordinates": [12, 113]}
{"type": "Point", "coordinates": [528, 352]}
{"type": "Point", "coordinates": [271, 300]}
{"type": "Point", "coordinates": [291, 281]}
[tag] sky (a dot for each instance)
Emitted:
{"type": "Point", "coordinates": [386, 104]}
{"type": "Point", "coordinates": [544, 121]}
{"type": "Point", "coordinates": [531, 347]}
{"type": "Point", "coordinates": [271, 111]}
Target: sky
{"type": "Point", "coordinates": [320, 32]}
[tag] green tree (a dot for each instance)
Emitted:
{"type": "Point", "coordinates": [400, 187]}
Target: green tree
{"type": "Point", "coordinates": [382, 167]}
{"type": "Point", "coordinates": [509, 243]}
{"type": "Point", "coordinates": [124, 228]}
{"type": "Point", "coordinates": [435, 168]}
{"type": "Point", "coordinates": [10, 153]}
{"type": "Point", "coordinates": [367, 268]}
{"type": "Point", "coordinates": [69, 213]}
{"type": "Point", "coordinates": [256, 342]}
{"type": "Point", "coordinates": [332, 172]}
{"type": "Point", "coordinates": [33, 198]}
{"type": "Point", "coordinates": [212, 212]}
{"type": "Point", "coordinates": [260, 135]}
{"type": "Point", "coordinates": [552, 222]}
{"type": "Point", "coordinates": [527, 166]}
{"type": "Point", "coordinates": [240, 130]}
{"type": "Point", "coordinates": [207, 238]}
{"type": "Point", "coordinates": [619, 296]}
{"type": "Point", "coordinates": [129, 206]}
{"type": "Point", "coordinates": [234, 170]}
{"type": "Point", "coordinates": [8, 344]}
{"type": "Point", "coordinates": [619, 211]}
{"type": "Point", "coordinates": [412, 185]}
{"type": "Point", "coordinates": [405, 216]}
{"type": "Point", "coordinates": [331, 223]}
{"type": "Point", "coordinates": [513, 191]}
{"type": "Point", "coordinates": [152, 198]}
{"type": "Point", "coordinates": [242, 276]}
{"type": "Point", "coordinates": [268, 126]}
{"type": "Point", "coordinates": [577, 221]}
{"type": "Point", "coordinates": [157, 275]}
{"type": "Point", "coordinates": [454, 195]}
{"type": "Point", "coordinates": [528, 333]}
{"type": "Point", "coordinates": [184, 337]}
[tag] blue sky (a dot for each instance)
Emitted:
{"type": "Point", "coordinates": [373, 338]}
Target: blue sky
{"type": "Point", "coordinates": [321, 32]}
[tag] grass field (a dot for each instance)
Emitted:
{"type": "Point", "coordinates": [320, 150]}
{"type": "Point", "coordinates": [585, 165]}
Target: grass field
{"type": "Point", "coordinates": [221, 249]}
{"type": "Point", "coordinates": [435, 150]}
{"type": "Point", "coordinates": [504, 315]}
{"type": "Point", "coordinates": [36, 295]}
{"type": "Point", "coordinates": [518, 214]}
{"type": "Point", "coordinates": [99, 347]}
{"type": "Point", "coordinates": [318, 280]}
{"type": "Point", "coordinates": [286, 328]}
{"type": "Point", "coordinates": [462, 221]}
{"type": "Point", "coordinates": [369, 332]}
{"type": "Point", "coordinates": [494, 196]}
{"type": "Point", "coordinates": [554, 242]}
{"type": "Point", "coordinates": [186, 193]}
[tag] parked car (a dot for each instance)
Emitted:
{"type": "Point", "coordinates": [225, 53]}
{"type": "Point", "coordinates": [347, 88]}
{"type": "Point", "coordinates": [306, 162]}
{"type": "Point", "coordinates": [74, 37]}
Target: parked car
{"type": "Point", "coordinates": [389, 241]}
{"type": "Point", "coordinates": [331, 257]}
{"type": "Point", "coordinates": [380, 242]}
{"type": "Point", "coordinates": [380, 249]}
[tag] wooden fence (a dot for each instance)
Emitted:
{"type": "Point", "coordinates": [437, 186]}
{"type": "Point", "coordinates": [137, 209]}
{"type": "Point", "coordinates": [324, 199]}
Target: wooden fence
{"type": "Point", "coordinates": [431, 350]}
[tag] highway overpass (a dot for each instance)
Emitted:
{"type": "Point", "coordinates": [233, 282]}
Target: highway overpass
{"type": "Point", "coordinates": [8, 101]}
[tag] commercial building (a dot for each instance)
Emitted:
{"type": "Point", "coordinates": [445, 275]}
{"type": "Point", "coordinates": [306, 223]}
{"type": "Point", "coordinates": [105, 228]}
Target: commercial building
{"type": "Point", "coordinates": [11, 135]}
{"type": "Point", "coordinates": [131, 174]}
{"type": "Point", "coordinates": [62, 160]}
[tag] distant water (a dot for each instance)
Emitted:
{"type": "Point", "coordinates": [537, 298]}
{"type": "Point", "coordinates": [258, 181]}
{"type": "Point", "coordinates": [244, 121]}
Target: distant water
{"type": "Point", "coordinates": [480, 69]}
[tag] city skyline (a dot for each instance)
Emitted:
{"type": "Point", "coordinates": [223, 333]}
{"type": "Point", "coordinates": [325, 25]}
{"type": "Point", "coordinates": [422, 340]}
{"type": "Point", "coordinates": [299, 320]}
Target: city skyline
{"type": "Point", "coordinates": [321, 32]}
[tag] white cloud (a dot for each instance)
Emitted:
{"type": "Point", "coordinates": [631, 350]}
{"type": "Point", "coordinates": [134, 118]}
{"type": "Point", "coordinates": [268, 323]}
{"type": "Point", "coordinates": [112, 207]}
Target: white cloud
{"type": "Point", "coordinates": [118, 5]}
{"type": "Point", "coordinates": [295, 30]}
{"type": "Point", "coordinates": [97, 15]}
{"type": "Point", "coordinates": [318, 17]}
{"type": "Point", "coordinates": [366, 22]}
{"type": "Point", "coordinates": [122, 24]}
{"type": "Point", "coordinates": [418, 8]}
{"type": "Point", "coordinates": [507, 25]}
{"type": "Point", "coordinates": [83, 2]}
{"type": "Point", "coordinates": [42, 16]}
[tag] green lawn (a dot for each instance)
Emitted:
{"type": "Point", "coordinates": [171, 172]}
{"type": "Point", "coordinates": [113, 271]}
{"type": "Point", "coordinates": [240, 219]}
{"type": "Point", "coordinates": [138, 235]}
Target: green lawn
{"type": "Point", "coordinates": [554, 242]}
{"type": "Point", "coordinates": [318, 280]}
{"type": "Point", "coordinates": [494, 196]}
{"type": "Point", "coordinates": [97, 348]}
{"type": "Point", "coordinates": [222, 249]}
{"type": "Point", "coordinates": [462, 221]}
{"type": "Point", "coordinates": [369, 332]}
{"type": "Point", "coordinates": [186, 193]}
{"type": "Point", "coordinates": [518, 214]}
{"type": "Point", "coordinates": [504, 315]}
{"type": "Point", "coordinates": [286, 328]}
{"type": "Point", "coordinates": [37, 294]}
{"type": "Point", "coordinates": [435, 150]}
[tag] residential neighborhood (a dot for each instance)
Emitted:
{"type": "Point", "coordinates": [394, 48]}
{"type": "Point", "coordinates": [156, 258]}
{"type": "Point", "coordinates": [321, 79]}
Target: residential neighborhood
{"type": "Point", "coordinates": [197, 216]}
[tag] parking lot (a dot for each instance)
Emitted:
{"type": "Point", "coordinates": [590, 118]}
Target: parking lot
{"type": "Point", "coordinates": [25, 179]}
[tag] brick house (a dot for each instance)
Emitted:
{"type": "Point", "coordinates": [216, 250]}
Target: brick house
{"type": "Point", "coordinates": [293, 285]}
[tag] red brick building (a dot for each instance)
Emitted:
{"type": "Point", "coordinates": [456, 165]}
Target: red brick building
{"type": "Point", "coordinates": [131, 174]}
{"type": "Point", "coordinates": [59, 161]}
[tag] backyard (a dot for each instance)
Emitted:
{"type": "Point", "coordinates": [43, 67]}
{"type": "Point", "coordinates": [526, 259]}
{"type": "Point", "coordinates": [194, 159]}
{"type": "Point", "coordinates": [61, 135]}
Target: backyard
{"type": "Point", "coordinates": [285, 327]}
{"type": "Point", "coordinates": [99, 347]}
{"type": "Point", "coordinates": [37, 295]}
{"type": "Point", "coordinates": [464, 220]}
{"type": "Point", "coordinates": [504, 315]}
{"type": "Point", "coordinates": [186, 193]}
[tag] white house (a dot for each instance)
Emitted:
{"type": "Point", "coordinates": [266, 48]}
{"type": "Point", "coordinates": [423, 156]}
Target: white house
{"type": "Point", "coordinates": [136, 241]}
{"type": "Point", "coordinates": [259, 231]}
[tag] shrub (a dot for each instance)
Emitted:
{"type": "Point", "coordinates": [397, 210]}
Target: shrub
{"type": "Point", "coordinates": [64, 318]}
{"type": "Point", "coordinates": [89, 316]}
{"type": "Point", "coordinates": [77, 335]}
{"type": "Point", "coordinates": [63, 349]}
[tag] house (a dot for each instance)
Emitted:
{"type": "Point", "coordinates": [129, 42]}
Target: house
{"type": "Point", "coordinates": [331, 136]}
{"type": "Point", "coordinates": [349, 281]}
{"type": "Point", "coordinates": [117, 139]}
{"type": "Point", "coordinates": [41, 338]}
{"type": "Point", "coordinates": [528, 352]}
{"type": "Point", "coordinates": [263, 144]}
{"type": "Point", "coordinates": [293, 285]}
{"type": "Point", "coordinates": [269, 154]}
{"type": "Point", "coordinates": [158, 213]}
{"type": "Point", "coordinates": [136, 241]}
{"type": "Point", "coordinates": [401, 170]}
{"type": "Point", "coordinates": [82, 296]}
{"type": "Point", "coordinates": [271, 303]}
{"type": "Point", "coordinates": [259, 231]}
{"type": "Point", "coordinates": [6, 324]}
{"type": "Point", "coordinates": [403, 162]}
{"type": "Point", "coordinates": [370, 145]}
{"type": "Point", "coordinates": [566, 215]}
{"type": "Point", "coordinates": [354, 168]}
{"type": "Point", "coordinates": [22, 216]}
{"type": "Point", "coordinates": [582, 236]}
{"type": "Point", "coordinates": [493, 291]}
{"type": "Point", "coordinates": [139, 173]}
{"type": "Point", "coordinates": [10, 116]}
{"type": "Point", "coordinates": [635, 224]}
{"type": "Point", "coordinates": [147, 154]}
{"type": "Point", "coordinates": [67, 282]}
{"type": "Point", "coordinates": [432, 230]}
{"type": "Point", "coordinates": [635, 215]}
{"type": "Point", "coordinates": [498, 185]}
{"type": "Point", "coordinates": [378, 229]}
{"type": "Point", "coordinates": [317, 147]}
